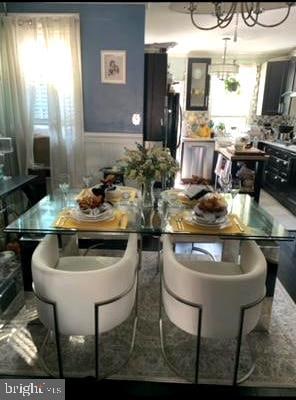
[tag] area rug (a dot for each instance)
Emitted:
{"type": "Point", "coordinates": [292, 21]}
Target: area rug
{"type": "Point", "coordinates": [275, 352]}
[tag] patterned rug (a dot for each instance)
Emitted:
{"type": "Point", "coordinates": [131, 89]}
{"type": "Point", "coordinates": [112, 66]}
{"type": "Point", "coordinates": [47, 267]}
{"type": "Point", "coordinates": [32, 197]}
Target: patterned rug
{"type": "Point", "coordinates": [21, 341]}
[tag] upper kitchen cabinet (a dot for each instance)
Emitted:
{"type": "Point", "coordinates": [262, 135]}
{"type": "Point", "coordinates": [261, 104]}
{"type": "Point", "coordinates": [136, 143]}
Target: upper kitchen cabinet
{"type": "Point", "coordinates": [198, 83]}
{"type": "Point", "coordinates": [273, 83]}
{"type": "Point", "coordinates": [288, 103]}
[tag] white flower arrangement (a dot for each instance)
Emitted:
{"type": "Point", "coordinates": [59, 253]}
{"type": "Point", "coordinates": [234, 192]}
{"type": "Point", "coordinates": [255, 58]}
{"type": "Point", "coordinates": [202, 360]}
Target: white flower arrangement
{"type": "Point", "coordinates": [149, 163]}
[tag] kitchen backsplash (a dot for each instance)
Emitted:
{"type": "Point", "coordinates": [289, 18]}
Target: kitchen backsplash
{"type": "Point", "coordinates": [275, 120]}
{"type": "Point", "coordinates": [192, 120]}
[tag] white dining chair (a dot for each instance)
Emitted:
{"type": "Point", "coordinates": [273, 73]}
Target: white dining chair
{"type": "Point", "coordinates": [84, 295]}
{"type": "Point", "coordinates": [213, 299]}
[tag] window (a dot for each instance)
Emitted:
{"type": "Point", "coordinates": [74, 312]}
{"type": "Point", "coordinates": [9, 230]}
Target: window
{"type": "Point", "coordinates": [41, 106]}
{"type": "Point", "coordinates": [43, 73]}
{"type": "Point", "coordinates": [233, 108]}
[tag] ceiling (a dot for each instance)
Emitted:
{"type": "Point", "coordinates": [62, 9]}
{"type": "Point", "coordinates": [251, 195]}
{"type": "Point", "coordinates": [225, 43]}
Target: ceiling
{"type": "Point", "coordinates": [166, 25]}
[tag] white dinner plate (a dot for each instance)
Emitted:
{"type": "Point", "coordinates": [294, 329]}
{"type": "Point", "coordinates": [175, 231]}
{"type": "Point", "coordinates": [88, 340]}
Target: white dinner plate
{"type": "Point", "coordinates": [217, 221]}
{"type": "Point", "coordinates": [222, 222]}
{"type": "Point", "coordinates": [106, 215]}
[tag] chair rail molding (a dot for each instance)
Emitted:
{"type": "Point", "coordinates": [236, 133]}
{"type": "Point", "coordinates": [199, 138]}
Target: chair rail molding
{"type": "Point", "coordinates": [103, 149]}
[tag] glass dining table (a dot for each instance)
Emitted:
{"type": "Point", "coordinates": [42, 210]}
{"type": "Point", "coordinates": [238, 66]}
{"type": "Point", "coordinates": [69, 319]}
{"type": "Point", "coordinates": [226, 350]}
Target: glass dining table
{"type": "Point", "coordinates": [246, 219]}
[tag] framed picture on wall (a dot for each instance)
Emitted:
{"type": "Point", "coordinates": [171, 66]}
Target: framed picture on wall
{"type": "Point", "coordinates": [113, 66]}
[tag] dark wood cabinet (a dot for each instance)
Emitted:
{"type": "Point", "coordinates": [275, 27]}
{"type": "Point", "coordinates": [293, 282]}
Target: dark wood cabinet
{"type": "Point", "coordinates": [275, 86]}
{"type": "Point", "coordinates": [155, 89]}
{"type": "Point", "coordinates": [280, 175]}
{"type": "Point", "coordinates": [290, 87]}
{"type": "Point", "coordinates": [198, 84]}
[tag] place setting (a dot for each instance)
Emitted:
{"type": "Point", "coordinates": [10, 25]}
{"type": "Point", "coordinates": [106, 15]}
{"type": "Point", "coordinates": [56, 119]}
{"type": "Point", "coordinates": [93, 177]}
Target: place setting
{"type": "Point", "coordinates": [209, 215]}
{"type": "Point", "coordinates": [92, 212]}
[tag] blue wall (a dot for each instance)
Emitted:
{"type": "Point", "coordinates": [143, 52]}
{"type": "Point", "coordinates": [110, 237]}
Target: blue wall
{"type": "Point", "coordinates": [107, 107]}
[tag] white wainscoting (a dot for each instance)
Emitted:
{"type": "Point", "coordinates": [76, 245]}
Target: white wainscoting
{"type": "Point", "coordinates": [103, 149]}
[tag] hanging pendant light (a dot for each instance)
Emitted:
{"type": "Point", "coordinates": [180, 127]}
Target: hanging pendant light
{"type": "Point", "coordinates": [224, 70]}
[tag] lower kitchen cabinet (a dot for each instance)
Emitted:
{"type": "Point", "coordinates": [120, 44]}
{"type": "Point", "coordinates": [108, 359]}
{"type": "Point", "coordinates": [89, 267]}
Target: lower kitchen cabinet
{"type": "Point", "coordinates": [280, 175]}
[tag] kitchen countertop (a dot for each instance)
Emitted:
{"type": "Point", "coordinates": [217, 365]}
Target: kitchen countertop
{"type": "Point", "coordinates": [235, 157]}
{"type": "Point", "coordinates": [291, 148]}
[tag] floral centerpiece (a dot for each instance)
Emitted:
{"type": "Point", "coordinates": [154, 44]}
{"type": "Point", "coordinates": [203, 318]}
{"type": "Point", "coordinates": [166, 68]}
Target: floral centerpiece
{"type": "Point", "coordinates": [146, 165]}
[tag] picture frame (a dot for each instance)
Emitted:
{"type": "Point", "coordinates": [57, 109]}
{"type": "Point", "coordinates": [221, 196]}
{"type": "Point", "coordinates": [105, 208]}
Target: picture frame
{"type": "Point", "coordinates": [113, 66]}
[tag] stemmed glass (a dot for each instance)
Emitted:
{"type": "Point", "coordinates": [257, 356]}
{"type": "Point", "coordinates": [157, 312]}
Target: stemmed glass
{"type": "Point", "coordinates": [235, 187]}
{"type": "Point", "coordinates": [87, 180]}
{"type": "Point", "coordinates": [226, 182]}
{"type": "Point", "coordinates": [64, 185]}
{"type": "Point", "coordinates": [230, 185]}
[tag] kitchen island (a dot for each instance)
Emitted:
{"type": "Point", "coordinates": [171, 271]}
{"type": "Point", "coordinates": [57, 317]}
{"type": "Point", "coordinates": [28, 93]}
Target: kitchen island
{"type": "Point", "coordinates": [252, 160]}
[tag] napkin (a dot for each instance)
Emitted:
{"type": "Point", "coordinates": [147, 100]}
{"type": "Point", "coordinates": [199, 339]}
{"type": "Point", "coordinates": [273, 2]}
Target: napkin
{"type": "Point", "coordinates": [197, 191]}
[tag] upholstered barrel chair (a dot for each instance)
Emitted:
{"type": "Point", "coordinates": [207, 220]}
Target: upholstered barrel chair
{"type": "Point", "coordinates": [214, 299]}
{"type": "Point", "coordinates": [87, 295]}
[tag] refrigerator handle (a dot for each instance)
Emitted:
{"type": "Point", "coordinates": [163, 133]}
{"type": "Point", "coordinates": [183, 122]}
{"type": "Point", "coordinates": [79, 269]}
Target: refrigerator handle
{"type": "Point", "coordinates": [180, 126]}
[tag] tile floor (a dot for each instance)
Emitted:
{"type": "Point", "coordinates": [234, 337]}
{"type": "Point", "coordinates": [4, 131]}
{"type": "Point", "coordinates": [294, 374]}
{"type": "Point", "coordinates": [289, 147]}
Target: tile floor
{"type": "Point", "coordinates": [279, 212]}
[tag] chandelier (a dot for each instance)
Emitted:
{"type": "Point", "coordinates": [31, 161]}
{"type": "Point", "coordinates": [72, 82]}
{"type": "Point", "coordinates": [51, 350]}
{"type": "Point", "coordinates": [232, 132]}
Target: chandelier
{"type": "Point", "coordinates": [225, 12]}
{"type": "Point", "coordinates": [224, 70]}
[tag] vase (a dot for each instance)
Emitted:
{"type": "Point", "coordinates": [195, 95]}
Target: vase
{"type": "Point", "coordinates": [147, 193]}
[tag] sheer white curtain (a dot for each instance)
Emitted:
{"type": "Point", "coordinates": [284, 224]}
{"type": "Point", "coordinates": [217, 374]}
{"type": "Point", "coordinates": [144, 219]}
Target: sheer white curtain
{"type": "Point", "coordinates": [16, 93]}
{"type": "Point", "coordinates": [46, 49]}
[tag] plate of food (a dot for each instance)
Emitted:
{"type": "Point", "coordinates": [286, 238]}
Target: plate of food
{"type": "Point", "coordinates": [92, 207]}
{"type": "Point", "coordinates": [211, 209]}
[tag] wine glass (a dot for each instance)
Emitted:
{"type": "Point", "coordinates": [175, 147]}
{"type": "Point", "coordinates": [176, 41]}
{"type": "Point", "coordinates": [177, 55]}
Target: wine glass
{"type": "Point", "coordinates": [225, 181]}
{"type": "Point", "coordinates": [87, 180]}
{"type": "Point", "coordinates": [64, 185]}
{"type": "Point", "coordinates": [235, 187]}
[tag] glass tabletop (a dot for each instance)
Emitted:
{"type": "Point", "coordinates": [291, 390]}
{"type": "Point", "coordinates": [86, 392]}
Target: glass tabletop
{"type": "Point", "coordinates": [258, 224]}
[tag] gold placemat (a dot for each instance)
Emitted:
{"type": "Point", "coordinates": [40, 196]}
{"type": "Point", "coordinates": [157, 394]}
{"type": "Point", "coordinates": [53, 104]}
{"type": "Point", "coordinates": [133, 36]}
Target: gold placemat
{"type": "Point", "coordinates": [232, 228]}
{"type": "Point", "coordinates": [65, 220]}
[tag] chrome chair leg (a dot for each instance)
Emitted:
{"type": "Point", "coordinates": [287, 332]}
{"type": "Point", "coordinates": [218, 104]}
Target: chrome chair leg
{"type": "Point", "coordinates": [162, 341]}
{"type": "Point", "coordinates": [200, 250]}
